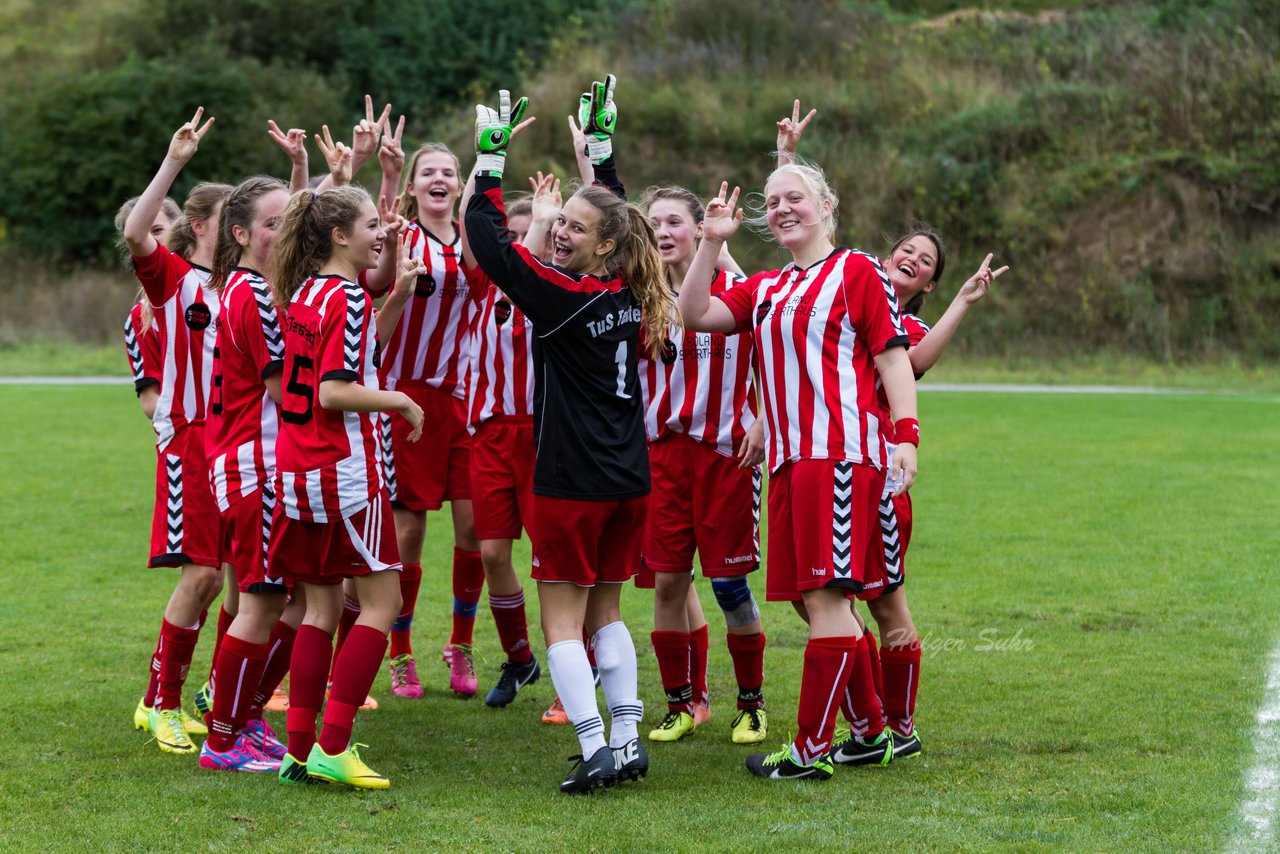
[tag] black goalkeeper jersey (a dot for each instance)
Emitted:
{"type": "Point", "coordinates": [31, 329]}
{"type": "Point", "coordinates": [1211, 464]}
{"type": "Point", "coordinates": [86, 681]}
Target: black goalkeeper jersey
{"type": "Point", "coordinates": [588, 419]}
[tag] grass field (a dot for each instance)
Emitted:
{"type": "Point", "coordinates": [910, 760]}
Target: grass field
{"type": "Point", "coordinates": [1093, 577]}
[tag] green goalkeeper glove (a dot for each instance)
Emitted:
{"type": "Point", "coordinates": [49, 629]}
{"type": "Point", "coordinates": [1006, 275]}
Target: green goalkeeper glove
{"type": "Point", "coordinates": [598, 117]}
{"type": "Point", "coordinates": [493, 133]}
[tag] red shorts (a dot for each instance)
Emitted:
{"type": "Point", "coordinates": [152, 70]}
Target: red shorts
{"type": "Point", "coordinates": [586, 542]}
{"type": "Point", "coordinates": [502, 457]}
{"type": "Point", "coordinates": [328, 552]}
{"type": "Point", "coordinates": [184, 526]}
{"type": "Point", "coordinates": [244, 532]}
{"type": "Point", "coordinates": [701, 501]}
{"type": "Point", "coordinates": [824, 527]}
{"type": "Point", "coordinates": [423, 475]}
{"type": "Point", "coordinates": [889, 572]}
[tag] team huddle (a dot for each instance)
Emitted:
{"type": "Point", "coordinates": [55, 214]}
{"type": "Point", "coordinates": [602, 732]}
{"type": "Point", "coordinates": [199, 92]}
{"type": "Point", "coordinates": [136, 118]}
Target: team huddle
{"type": "Point", "coordinates": [598, 373]}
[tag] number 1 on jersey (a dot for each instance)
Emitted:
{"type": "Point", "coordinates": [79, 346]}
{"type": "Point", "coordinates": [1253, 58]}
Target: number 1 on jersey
{"type": "Point", "coordinates": [621, 358]}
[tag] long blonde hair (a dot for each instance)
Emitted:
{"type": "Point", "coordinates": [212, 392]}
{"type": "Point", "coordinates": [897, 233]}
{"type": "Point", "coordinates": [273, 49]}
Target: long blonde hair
{"type": "Point", "coordinates": [304, 241]}
{"type": "Point", "coordinates": [200, 205]}
{"type": "Point", "coordinates": [635, 260]}
{"type": "Point", "coordinates": [239, 209]}
{"type": "Point", "coordinates": [814, 180]}
{"type": "Point", "coordinates": [408, 204]}
{"type": "Point", "coordinates": [171, 211]}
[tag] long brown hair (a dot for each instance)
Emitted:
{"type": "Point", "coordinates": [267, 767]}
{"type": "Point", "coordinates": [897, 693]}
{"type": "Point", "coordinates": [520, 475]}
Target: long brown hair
{"type": "Point", "coordinates": [200, 205]}
{"type": "Point", "coordinates": [408, 204]}
{"type": "Point", "coordinates": [916, 228]}
{"type": "Point", "coordinates": [635, 260]}
{"type": "Point", "coordinates": [304, 241]}
{"type": "Point", "coordinates": [240, 208]}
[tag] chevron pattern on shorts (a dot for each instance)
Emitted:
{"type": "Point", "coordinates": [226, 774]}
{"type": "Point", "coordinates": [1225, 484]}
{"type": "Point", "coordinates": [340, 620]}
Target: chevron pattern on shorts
{"type": "Point", "coordinates": [388, 458]}
{"type": "Point", "coordinates": [842, 519]}
{"type": "Point", "coordinates": [173, 504]}
{"type": "Point", "coordinates": [890, 534]}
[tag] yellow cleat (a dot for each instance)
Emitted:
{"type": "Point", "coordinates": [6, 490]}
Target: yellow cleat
{"type": "Point", "coordinates": [751, 726]}
{"type": "Point", "coordinates": [142, 716]}
{"type": "Point", "coordinates": [346, 768]}
{"type": "Point", "coordinates": [675, 726]}
{"type": "Point", "coordinates": [193, 726]}
{"type": "Point", "coordinates": [171, 737]}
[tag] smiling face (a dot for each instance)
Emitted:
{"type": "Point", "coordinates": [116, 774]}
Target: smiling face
{"type": "Point", "coordinates": [361, 245]}
{"type": "Point", "coordinates": [576, 245]}
{"type": "Point", "coordinates": [677, 230]}
{"type": "Point", "coordinates": [434, 184]}
{"type": "Point", "coordinates": [911, 267]}
{"type": "Point", "coordinates": [255, 242]}
{"type": "Point", "coordinates": [796, 216]}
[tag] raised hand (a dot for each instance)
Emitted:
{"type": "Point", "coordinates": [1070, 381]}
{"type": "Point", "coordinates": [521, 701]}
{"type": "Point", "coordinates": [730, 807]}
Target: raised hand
{"type": "Point", "coordinates": [392, 222]}
{"type": "Point", "coordinates": [186, 140]}
{"type": "Point", "coordinates": [977, 285]}
{"type": "Point", "coordinates": [791, 129]}
{"type": "Point", "coordinates": [546, 197]}
{"type": "Point", "coordinates": [337, 155]}
{"type": "Point", "coordinates": [721, 220]}
{"type": "Point", "coordinates": [391, 152]}
{"type": "Point", "coordinates": [408, 268]}
{"type": "Point", "coordinates": [365, 135]}
{"type": "Point", "coordinates": [293, 143]}
{"type": "Point", "coordinates": [494, 130]}
{"type": "Point", "coordinates": [598, 115]}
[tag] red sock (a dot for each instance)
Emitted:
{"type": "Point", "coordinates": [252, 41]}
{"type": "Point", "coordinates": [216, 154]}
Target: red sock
{"type": "Point", "coordinates": [747, 652]}
{"type": "Point", "coordinates": [410, 582]}
{"type": "Point", "coordinates": [468, 581]}
{"type": "Point", "coordinates": [513, 628]}
{"type": "Point", "coordinates": [279, 652]}
{"type": "Point", "coordinates": [901, 666]}
{"type": "Point", "coordinates": [859, 701]}
{"type": "Point", "coordinates": [153, 679]}
{"type": "Point", "coordinates": [827, 662]}
{"type": "Point", "coordinates": [875, 663]}
{"type": "Point", "coordinates": [698, 646]}
{"type": "Point", "coordinates": [308, 667]}
{"type": "Point", "coordinates": [350, 613]}
{"type": "Point", "coordinates": [175, 661]}
{"type": "Point", "coordinates": [672, 649]}
{"type": "Point", "coordinates": [224, 623]}
{"type": "Point", "coordinates": [353, 676]}
{"type": "Point", "coordinates": [238, 672]}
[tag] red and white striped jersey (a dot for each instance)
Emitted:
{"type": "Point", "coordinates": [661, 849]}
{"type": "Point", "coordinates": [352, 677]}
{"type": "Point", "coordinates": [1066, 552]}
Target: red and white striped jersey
{"type": "Point", "coordinates": [701, 384]}
{"type": "Point", "coordinates": [916, 330]}
{"type": "Point", "coordinates": [431, 344]}
{"type": "Point", "coordinates": [186, 314]}
{"type": "Point", "coordinates": [243, 419]}
{"type": "Point", "coordinates": [501, 374]}
{"type": "Point", "coordinates": [816, 332]}
{"type": "Point", "coordinates": [328, 462]}
{"type": "Point", "coordinates": [142, 346]}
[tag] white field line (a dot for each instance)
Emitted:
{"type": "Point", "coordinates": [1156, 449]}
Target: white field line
{"type": "Point", "coordinates": [1260, 812]}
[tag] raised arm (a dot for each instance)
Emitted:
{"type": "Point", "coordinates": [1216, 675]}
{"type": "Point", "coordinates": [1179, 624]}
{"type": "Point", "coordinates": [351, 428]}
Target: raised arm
{"type": "Point", "coordinates": [377, 280]}
{"type": "Point", "coordinates": [579, 141]}
{"type": "Point", "coordinates": [701, 313]}
{"type": "Point", "coordinates": [926, 354]}
{"type": "Point", "coordinates": [547, 203]}
{"type": "Point", "coordinates": [789, 132]}
{"type": "Point", "coordinates": [137, 227]}
{"type": "Point", "coordinates": [366, 135]}
{"type": "Point", "coordinates": [391, 159]}
{"type": "Point", "coordinates": [294, 145]}
{"type": "Point", "coordinates": [407, 269]}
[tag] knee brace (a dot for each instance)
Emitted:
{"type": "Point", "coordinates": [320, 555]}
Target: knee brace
{"type": "Point", "coordinates": [733, 595]}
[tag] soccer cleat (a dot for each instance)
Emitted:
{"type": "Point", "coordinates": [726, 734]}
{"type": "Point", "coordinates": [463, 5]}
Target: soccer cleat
{"type": "Point", "coordinates": [446, 654]}
{"type": "Point", "coordinates": [346, 768]}
{"type": "Point", "coordinates": [404, 678]}
{"type": "Point", "coordinates": [279, 701]}
{"type": "Point", "coordinates": [462, 671]}
{"type": "Point", "coordinates": [701, 713]}
{"type": "Point", "coordinates": [783, 766]}
{"type": "Point", "coordinates": [555, 714]}
{"type": "Point", "coordinates": [751, 726]}
{"type": "Point", "coordinates": [166, 726]}
{"type": "Point", "coordinates": [142, 716]}
{"type": "Point", "coordinates": [630, 762]}
{"type": "Point", "coordinates": [905, 746]}
{"type": "Point", "coordinates": [514, 677]}
{"type": "Point", "coordinates": [850, 749]}
{"type": "Point", "coordinates": [193, 726]}
{"type": "Point", "coordinates": [203, 700]}
{"type": "Point", "coordinates": [293, 771]}
{"type": "Point", "coordinates": [675, 726]}
{"type": "Point", "coordinates": [241, 757]}
{"type": "Point", "coordinates": [263, 738]}
{"type": "Point", "coordinates": [587, 775]}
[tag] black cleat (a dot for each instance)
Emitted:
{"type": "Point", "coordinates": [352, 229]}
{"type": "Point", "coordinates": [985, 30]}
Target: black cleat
{"type": "Point", "coordinates": [587, 775]}
{"type": "Point", "coordinates": [905, 746]}
{"type": "Point", "coordinates": [514, 677]}
{"type": "Point", "coordinates": [630, 762]}
{"type": "Point", "coordinates": [781, 766]}
{"type": "Point", "coordinates": [854, 750]}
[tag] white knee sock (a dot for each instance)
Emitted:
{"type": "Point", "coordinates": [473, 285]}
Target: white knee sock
{"type": "Point", "coordinates": [571, 674]}
{"type": "Point", "coordinates": [616, 661]}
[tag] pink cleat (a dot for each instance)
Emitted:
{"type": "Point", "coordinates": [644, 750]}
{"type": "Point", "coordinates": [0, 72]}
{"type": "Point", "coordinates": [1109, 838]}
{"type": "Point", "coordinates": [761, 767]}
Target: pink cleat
{"type": "Point", "coordinates": [462, 671]}
{"type": "Point", "coordinates": [263, 738]}
{"type": "Point", "coordinates": [404, 678]}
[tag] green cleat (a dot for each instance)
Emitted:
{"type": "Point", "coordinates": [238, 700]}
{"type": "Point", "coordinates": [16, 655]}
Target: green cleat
{"type": "Point", "coordinates": [294, 772]}
{"type": "Point", "coordinates": [203, 700]}
{"type": "Point", "coordinates": [346, 768]}
{"type": "Point", "coordinates": [675, 726]}
{"type": "Point", "coordinates": [850, 749]}
{"type": "Point", "coordinates": [170, 735]}
{"type": "Point", "coordinates": [783, 766]}
{"type": "Point", "coordinates": [193, 726]}
{"type": "Point", "coordinates": [142, 716]}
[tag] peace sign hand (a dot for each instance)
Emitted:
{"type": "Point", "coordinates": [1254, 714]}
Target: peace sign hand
{"type": "Point", "coordinates": [186, 140]}
{"type": "Point", "coordinates": [721, 220]}
{"type": "Point", "coordinates": [337, 155]}
{"type": "Point", "coordinates": [408, 268]}
{"type": "Point", "coordinates": [365, 135]}
{"type": "Point", "coordinates": [391, 153]}
{"type": "Point", "coordinates": [976, 287]}
{"type": "Point", "coordinates": [293, 143]}
{"type": "Point", "coordinates": [791, 129]}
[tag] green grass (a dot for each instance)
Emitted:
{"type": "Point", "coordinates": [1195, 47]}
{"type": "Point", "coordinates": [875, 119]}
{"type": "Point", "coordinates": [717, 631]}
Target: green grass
{"type": "Point", "coordinates": [1126, 543]}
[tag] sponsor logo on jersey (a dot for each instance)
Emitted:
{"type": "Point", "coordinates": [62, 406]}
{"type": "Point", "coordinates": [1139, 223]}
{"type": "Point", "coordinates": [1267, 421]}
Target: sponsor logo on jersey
{"type": "Point", "coordinates": [763, 311]}
{"type": "Point", "coordinates": [198, 316]}
{"type": "Point", "coordinates": [501, 312]}
{"type": "Point", "coordinates": [668, 352]}
{"type": "Point", "coordinates": [425, 287]}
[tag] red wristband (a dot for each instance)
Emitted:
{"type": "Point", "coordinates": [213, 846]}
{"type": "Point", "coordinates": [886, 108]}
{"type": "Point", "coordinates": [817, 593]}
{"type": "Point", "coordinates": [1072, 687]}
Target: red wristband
{"type": "Point", "coordinates": [906, 431]}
